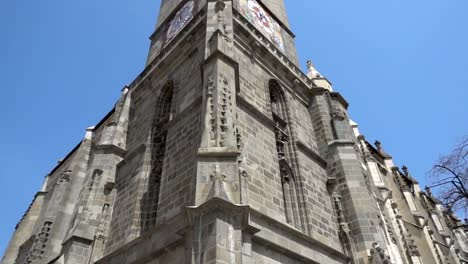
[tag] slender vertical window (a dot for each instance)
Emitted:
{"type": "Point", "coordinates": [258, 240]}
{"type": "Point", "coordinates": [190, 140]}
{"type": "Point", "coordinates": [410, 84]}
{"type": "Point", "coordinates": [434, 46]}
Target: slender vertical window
{"type": "Point", "coordinates": [288, 181]}
{"type": "Point", "coordinates": [158, 147]}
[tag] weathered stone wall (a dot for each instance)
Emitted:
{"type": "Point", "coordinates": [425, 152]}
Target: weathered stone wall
{"type": "Point", "coordinates": [259, 152]}
{"type": "Point", "coordinates": [182, 72]}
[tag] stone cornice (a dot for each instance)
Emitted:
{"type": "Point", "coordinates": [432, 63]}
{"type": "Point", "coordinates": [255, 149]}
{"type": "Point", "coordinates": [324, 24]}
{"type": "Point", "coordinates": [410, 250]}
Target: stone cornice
{"type": "Point", "coordinates": [132, 153]}
{"type": "Point", "coordinates": [218, 152]}
{"type": "Point", "coordinates": [296, 234]}
{"type": "Point", "coordinates": [341, 142]}
{"type": "Point", "coordinates": [59, 165]}
{"type": "Point", "coordinates": [265, 120]}
{"type": "Point", "coordinates": [311, 153]}
{"type": "Point", "coordinates": [111, 149]}
{"type": "Point", "coordinates": [340, 99]}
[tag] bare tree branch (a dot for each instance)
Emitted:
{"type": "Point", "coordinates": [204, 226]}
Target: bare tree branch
{"type": "Point", "coordinates": [449, 178]}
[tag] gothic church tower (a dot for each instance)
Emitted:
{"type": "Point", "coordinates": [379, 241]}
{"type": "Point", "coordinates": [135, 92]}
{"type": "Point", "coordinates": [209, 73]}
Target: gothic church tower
{"type": "Point", "coordinates": [221, 151]}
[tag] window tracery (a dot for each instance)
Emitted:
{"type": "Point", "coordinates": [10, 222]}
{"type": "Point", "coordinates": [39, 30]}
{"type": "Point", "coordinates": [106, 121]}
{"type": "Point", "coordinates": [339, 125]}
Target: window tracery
{"type": "Point", "coordinates": [162, 116]}
{"type": "Point", "coordinates": [282, 134]}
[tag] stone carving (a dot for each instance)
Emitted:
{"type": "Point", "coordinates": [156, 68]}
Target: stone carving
{"type": "Point", "coordinates": [313, 73]}
{"type": "Point", "coordinates": [219, 112]}
{"type": "Point", "coordinates": [378, 255]}
{"type": "Point", "coordinates": [405, 170]}
{"type": "Point", "coordinates": [86, 215]}
{"type": "Point", "coordinates": [390, 231]}
{"type": "Point", "coordinates": [217, 175]}
{"type": "Point", "coordinates": [225, 109]}
{"type": "Point", "coordinates": [223, 124]}
{"type": "Point", "coordinates": [408, 242]}
{"type": "Point", "coordinates": [109, 186]}
{"type": "Point", "coordinates": [281, 141]}
{"type": "Point", "coordinates": [338, 114]}
{"type": "Point", "coordinates": [344, 232]}
{"type": "Point", "coordinates": [411, 246]}
{"type": "Point", "coordinates": [219, 185]}
{"type": "Point", "coordinates": [428, 191]}
{"type": "Point", "coordinates": [285, 176]}
{"type": "Point", "coordinates": [64, 177]}
{"type": "Point", "coordinates": [220, 16]}
{"type": "Point", "coordinates": [378, 145]}
{"type": "Point", "coordinates": [239, 141]}
{"type": "Point", "coordinates": [95, 179]}
{"type": "Point", "coordinates": [220, 40]}
{"type": "Point", "coordinates": [401, 181]}
{"type": "Point", "coordinates": [211, 116]}
{"type": "Point", "coordinates": [40, 243]}
{"type": "Point", "coordinates": [102, 228]}
{"type": "Point", "coordinates": [344, 227]}
{"type": "Point", "coordinates": [242, 172]}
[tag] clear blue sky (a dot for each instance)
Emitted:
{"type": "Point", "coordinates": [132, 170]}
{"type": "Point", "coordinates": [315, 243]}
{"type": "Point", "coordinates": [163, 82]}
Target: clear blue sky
{"type": "Point", "coordinates": [401, 64]}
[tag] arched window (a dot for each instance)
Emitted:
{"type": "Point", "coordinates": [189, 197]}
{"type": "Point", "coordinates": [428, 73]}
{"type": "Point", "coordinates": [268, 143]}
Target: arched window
{"type": "Point", "coordinates": [283, 147]}
{"type": "Point", "coordinates": [162, 116]}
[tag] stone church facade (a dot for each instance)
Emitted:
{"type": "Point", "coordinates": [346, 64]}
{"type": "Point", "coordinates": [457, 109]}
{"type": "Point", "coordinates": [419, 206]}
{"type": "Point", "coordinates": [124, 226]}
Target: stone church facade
{"type": "Point", "coordinates": [223, 151]}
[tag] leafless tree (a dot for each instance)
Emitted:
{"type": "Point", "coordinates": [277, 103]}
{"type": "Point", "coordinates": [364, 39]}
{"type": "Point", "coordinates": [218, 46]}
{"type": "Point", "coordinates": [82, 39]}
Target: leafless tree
{"type": "Point", "coordinates": [450, 178]}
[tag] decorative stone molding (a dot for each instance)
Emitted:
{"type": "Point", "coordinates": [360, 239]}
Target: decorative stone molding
{"type": "Point", "coordinates": [411, 246]}
{"type": "Point", "coordinates": [377, 255]}
{"type": "Point", "coordinates": [109, 185]}
{"type": "Point", "coordinates": [65, 177]}
{"type": "Point", "coordinates": [338, 114]}
{"type": "Point", "coordinates": [378, 145]}
{"type": "Point", "coordinates": [86, 215]}
{"type": "Point", "coordinates": [312, 71]}
{"type": "Point", "coordinates": [40, 243]}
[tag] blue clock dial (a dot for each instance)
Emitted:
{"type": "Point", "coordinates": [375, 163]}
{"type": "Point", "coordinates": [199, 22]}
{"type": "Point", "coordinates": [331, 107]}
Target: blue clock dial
{"type": "Point", "coordinates": [180, 19]}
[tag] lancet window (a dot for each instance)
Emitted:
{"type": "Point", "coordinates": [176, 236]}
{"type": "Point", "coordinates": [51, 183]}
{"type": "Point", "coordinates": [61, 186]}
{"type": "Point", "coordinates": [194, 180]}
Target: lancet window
{"type": "Point", "coordinates": [162, 116]}
{"type": "Point", "coordinates": [285, 157]}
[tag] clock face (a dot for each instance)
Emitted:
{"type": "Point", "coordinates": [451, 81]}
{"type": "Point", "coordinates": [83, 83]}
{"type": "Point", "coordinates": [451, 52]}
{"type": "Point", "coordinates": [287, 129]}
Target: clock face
{"type": "Point", "coordinates": [258, 16]}
{"type": "Point", "coordinates": [180, 19]}
{"type": "Point", "coordinates": [261, 17]}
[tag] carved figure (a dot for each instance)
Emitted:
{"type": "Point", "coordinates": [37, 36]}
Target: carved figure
{"type": "Point", "coordinates": [313, 73]}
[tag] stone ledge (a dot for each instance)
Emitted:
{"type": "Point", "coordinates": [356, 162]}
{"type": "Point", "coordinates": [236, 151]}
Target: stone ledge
{"type": "Point", "coordinates": [150, 245]}
{"type": "Point", "coordinates": [265, 230]}
{"type": "Point", "coordinates": [341, 143]}
{"type": "Point", "coordinates": [340, 99]}
{"type": "Point", "coordinates": [81, 231]}
{"type": "Point", "coordinates": [262, 118]}
{"type": "Point", "coordinates": [218, 152]}
{"type": "Point", "coordinates": [295, 237]}
{"type": "Point", "coordinates": [113, 149]}
{"type": "Point", "coordinates": [188, 110]}
{"type": "Point", "coordinates": [311, 153]}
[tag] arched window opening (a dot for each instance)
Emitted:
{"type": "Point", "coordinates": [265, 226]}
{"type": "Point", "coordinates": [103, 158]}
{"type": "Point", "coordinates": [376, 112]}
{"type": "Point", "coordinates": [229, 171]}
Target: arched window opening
{"type": "Point", "coordinates": [162, 116]}
{"type": "Point", "coordinates": [282, 134]}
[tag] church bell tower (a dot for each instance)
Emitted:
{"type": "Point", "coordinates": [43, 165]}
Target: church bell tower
{"type": "Point", "coordinates": [221, 151]}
